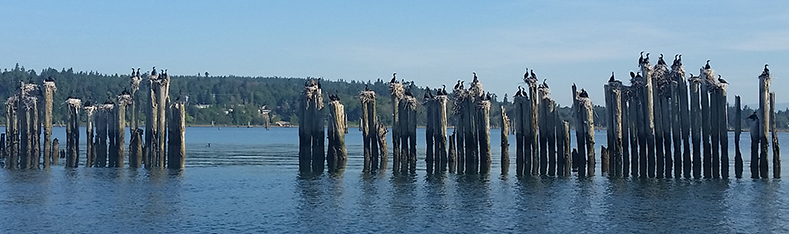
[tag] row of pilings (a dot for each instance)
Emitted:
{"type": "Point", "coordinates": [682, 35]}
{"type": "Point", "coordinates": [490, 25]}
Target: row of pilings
{"type": "Point", "coordinates": [664, 126]}
{"type": "Point", "coordinates": [105, 128]}
{"type": "Point", "coordinates": [659, 126]}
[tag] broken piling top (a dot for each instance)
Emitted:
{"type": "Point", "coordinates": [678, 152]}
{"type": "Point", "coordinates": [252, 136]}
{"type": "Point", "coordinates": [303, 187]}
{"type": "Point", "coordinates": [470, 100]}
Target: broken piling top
{"type": "Point", "coordinates": [410, 102]}
{"type": "Point", "coordinates": [660, 75]}
{"type": "Point", "coordinates": [707, 76]}
{"type": "Point", "coordinates": [476, 91]}
{"type": "Point", "coordinates": [124, 99]}
{"type": "Point", "coordinates": [765, 73]}
{"type": "Point", "coordinates": [396, 89]}
{"type": "Point", "coordinates": [12, 101]}
{"type": "Point", "coordinates": [106, 107]}
{"type": "Point", "coordinates": [89, 109]}
{"type": "Point", "coordinates": [367, 96]}
{"type": "Point", "coordinates": [543, 91]}
{"type": "Point", "coordinates": [50, 86]}
{"type": "Point", "coordinates": [134, 81]}
{"type": "Point", "coordinates": [74, 104]}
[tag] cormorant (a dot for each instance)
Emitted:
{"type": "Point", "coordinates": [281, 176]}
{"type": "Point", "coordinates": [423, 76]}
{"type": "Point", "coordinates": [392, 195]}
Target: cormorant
{"type": "Point", "coordinates": [753, 116]}
{"type": "Point", "coordinates": [766, 70]}
{"type": "Point", "coordinates": [153, 71]}
{"type": "Point", "coordinates": [457, 85]}
{"type": "Point", "coordinates": [394, 78]}
{"type": "Point", "coordinates": [660, 59]}
{"type": "Point", "coordinates": [366, 88]}
{"type": "Point", "coordinates": [708, 64]}
{"type": "Point", "coordinates": [646, 59]}
{"type": "Point", "coordinates": [720, 79]}
{"type": "Point", "coordinates": [132, 72]}
{"type": "Point", "coordinates": [138, 71]}
{"type": "Point", "coordinates": [583, 94]}
{"type": "Point", "coordinates": [531, 72]}
{"type": "Point", "coordinates": [641, 58]}
{"type": "Point", "coordinates": [518, 94]}
{"type": "Point", "coordinates": [444, 89]}
{"type": "Point", "coordinates": [408, 92]}
{"type": "Point", "coordinates": [612, 77]}
{"type": "Point", "coordinates": [488, 96]}
{"type": "Point", "coordinates": [526, 75]}
{"type": "Point", "coordinates": [632, 74]}
{"type": "Point", "coordinates": [319, 84]}
{"type": "Point", "coordinates": [545, 84]}
{"type": "Point", "coordinates": [475, 77]}
{"type": "Point", "coordinates": [461, 84]}
{"type": "Point", "coordinates": [428, 94]}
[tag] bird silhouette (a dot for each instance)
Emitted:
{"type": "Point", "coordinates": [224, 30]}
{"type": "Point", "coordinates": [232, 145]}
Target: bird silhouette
{"type": "Point", "coordinates": [753, 116]}
{"type": "Point", "coordinates": [457, 85]}
{"type": "Point", "coordinates": [612, 77]}
{"type": "Point", "coordinates": [443, 89]}
{"type": "Point", "coordinates": [545, 84]}
{"type": "Point", "coordinates": [408, 92]}
{"type": "Point", "coordinates": [462, 84]}
{"type": "Point", "coordinates": [531, 73]}
{"type": "Point", "coordinates": [475, 77]}
{"type": "Point", "coordinates": [394, 78]}
{"type": "Point", "coordinates": [641, 58]}
{"type": "Point", "coordinates": [660, 60]}
{"type": "Point", "coordinates": [519, 93]}
{"type": "Point", "coordinates": [583, 93]}
{"type": "Point", "coordinates": [766, 70]}
{"type": "Point", "coordinates": [707, 66]}
{"type": "Point", "coordinates": [646, 58]}
{"type": "Point", "coordinates": [632, 74]}
{"type": "Point", "coordinates": [366, 88]}
{"type": "Point", "coordinates": [153, 71]}
{"type": "Point", "coordinates": [720, 79]}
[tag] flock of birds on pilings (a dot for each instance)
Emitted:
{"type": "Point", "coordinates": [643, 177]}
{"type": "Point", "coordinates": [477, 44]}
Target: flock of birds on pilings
{"type": "Point", "coordinates": [160, 145]}
{"type": "Point", "coordinates": [662, 125]}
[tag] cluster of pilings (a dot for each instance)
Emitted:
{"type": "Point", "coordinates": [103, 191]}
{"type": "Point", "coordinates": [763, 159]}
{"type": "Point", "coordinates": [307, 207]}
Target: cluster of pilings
{"type": "Point", "coordinates": [311, 130]}
{"type": "Point", "coordinates": [472, 128]}
{"type": "Point", "coordinates": [664, 126]}
{"type": "Point", "coordinates": [436, 157]}
{"type": "Point", "coordinates": [105, 128]}
{"type": "Point", "coordinates": [373, 134]}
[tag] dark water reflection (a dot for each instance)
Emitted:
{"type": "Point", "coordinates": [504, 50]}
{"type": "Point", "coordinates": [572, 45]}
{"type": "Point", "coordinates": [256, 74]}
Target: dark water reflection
{"type": "Point", "coordinates": [247, 181]}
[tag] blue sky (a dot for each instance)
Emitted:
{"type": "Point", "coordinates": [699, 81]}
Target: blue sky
{"type": "Point", "coordinates": [429, 42]}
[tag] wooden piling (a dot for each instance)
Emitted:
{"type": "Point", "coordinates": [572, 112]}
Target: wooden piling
{"type": "Point", "coordinates": [543, 116]}
{"type": "Point", "coordinates": [715, 129]}
{"type": "Point", "coordinates": [753, 123]}
{"type": "Point", "coordinates": [661, 111]}
{"type": "Point", "coordinates": [311, 129]}
{"type": "Point", "coordinates": [483, 135]}
{"type": "Point", "coordinates": [505, 143]}
{"type": "Point", "coordinates": [565, 139]}
{"type": "Point", "coordinates": [625, 131]}
{"type": "Point", "coordinates": [520, 125]}
{"type": "Point", "coordinates": [587, 120]}
{"type": "Point", "coordinates": [151, 122]}
{"type": "Point", "coordinates": [616, 101]}
{"type": "Point", "coordinates": [695, 124]}
{"type": "Point", "coordinates": [35, 130]}
{"type": "Point", "coordinates": [764, 121]}
{"type": "Point", "coordinates": [72, 133]}
{"type": "Point", "coordinates": [177, 129]}
{"type": "Point", "coordinates": [49, 91]}
{"type": "Point", "coordinates": [678, 74]}
{"type": "Point", "coordinates": [12, 132]}
{"type": "Point", "coordinates": [707, 78]}
{"type": "Point", "coordinates": [676, 122]}
{"type": "Point", "coordinates": [440, 131]}
{"type": "Point", "coordinates": [605, 161]}
{"type": "Point", "coordinates": [723, 120]}
{"type": "Point", "coordinates": [164, 98]}
{"type": "Point", "coordinates": [123, 101]}
{"type": "Point", "coordinates": [90, 154]}
{"type": "Point", "coordinates": [634, 125]}
{"type": "Point", "coordinates": [774, 135]}
{"type": "Point", "coordinates": [407, 122]}
{"type": "Point", "coordinates": [101, 147]}
{"type": "Point", "coordinates": [532, 145]}
{"type": "Point", "coordinates": [369, 127]}
{"type": "Point", "coordinates": [397, 92]}
{"type": "Point", "coordinates": [649, 116]}
{"type": "Point", "coordinates": [737, 132]}
{"type": "Point", "coordinates": [135, 143]}
{"type": "Point", "coordinates": [451, 153]}
{"type": "Point", "coordinates": [382, 147]}
{"type": "Point", "coordinates": [580, 128]}
{"type": "Point", "coordinates": [553, 139]}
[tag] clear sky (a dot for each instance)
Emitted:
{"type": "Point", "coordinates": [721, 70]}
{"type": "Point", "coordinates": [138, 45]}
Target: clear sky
{"type": "Point", "coordinates": [430, 42]}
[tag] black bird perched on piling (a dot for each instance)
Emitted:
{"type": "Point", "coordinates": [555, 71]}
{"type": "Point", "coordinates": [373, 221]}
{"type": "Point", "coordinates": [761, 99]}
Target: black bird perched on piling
{"type": "Point", "coordinates": [612, 77]}
{"type": "Point", "coordinates": [428, 94]}
{"type": "Point", "coordinates": [766, 70]}
{"type": "Point", "coordinates": [366, 88]}
{"type": "Point", "coordinates": [641, 58]}
{"type": "Point", "coordinates": [461, 84]}
{"type": "Point", "coordinates": [394, 78]}
{"type": "Point", "coordinates": [443, 89]}
{"type": "Point", "coordinates": [660, 59]}
{"type": "Point", "coordinates": [708, 64]}
{"type": "Point", "coordinates": [475, 78]}
{"type": "Point", "coordinates": [632, 74]}
{"type": "Point", "coordinates": [519, 93]}
{"type": "Point", "coordinates": [132, 72]}
{"type": "Point", "coordinates": [531, 73]}
{"type": "Point", "coordinates": [488, 96]}
{"type": "Point", "coordinates": [153, 71]}
{"type": "Point", "coordinates": [720, 79]}
{"type": "Point", "coordinates": [583, 94]}
{"type": "Point", "coordinates": [319, 84]}
{"type": "Point", "coordinates": [646, 58]}
{"type": "Point", "coordinates": [457, 85]}
{"type": "Point", "coordinates": [753, 116]}
{"type": "Point", "coordinates": [545, 84]}
{"type": "Point", "coordinates": [138, 71]}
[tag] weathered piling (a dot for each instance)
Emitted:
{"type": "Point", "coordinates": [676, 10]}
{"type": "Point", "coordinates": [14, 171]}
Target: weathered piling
{"type": "Point", "coordinates": [120, 128]}
{"type": "Point", "coordinates": [72, 132]}
{"type": "Point", "coordinates": [615, 127]}
{"type": "Point", "coordinates": [11, 132]}
{"type": "Point", "coordinates": [176, 157]}
{"type": "Point", "coordinates": [695, 123]}
{"type": "Point", "coordinates": [547, 131]}
{"type": "Point", "coordinates": [397, 92]}
{"type": "Point", "coordinates": [715, 130]}
{"type": "Point", "coordinates": [163, 97]}
{"type": "Point", "coordinates": [676, 121]}
{"type": "Point", "coordinates": [520, 123]}
{"type": "Point", "coordinates": [580, 118]}
{"type": "Point", "coordinates": [135, 143]}
{"type": "Point", "coordinates": [753, 124]}
{"type": "Point", "coordinates": [505, 144]}
{"type": "Point", "coordinates": [585, 134]}
{"type": "Point", "coordinates": [737, 132]}
{"type": "Point", "coordinates": [567, 157]}
{"type": "Point", "coordinates": [605, 161]}
{"type": "Point", "coordinates": [649, 115]}
{"type": "Point", "coordinates": [382, 147]}
{"type": "Point", "coordinates": [678, 74]}
{"type": "Point", "coordinates": [49, 91]}
{"type": "Point", "coordinates": [472, 126]}
{"type": "Point", "coordinates": [774, 135]}
{"type": "Point", "coordinates": [723, 120]}
{"type": "Point", "coordinates": [310, 137]}
{"type": "Point", "coordinates": [483, 134]}
{"type": "Point", "coordinates": [633, 126]}
{"type": "Point", "coordinates": [764, 120]}
{"type": "Point", "coordinates": [660, 82]}
{"type": "Point", "coordinates": [451, 158]}
{"type": "Point", "coordinates": [429, 130]}
{"type": "Point", "coordinates": [407, 121]}
{"type": "Point", "coordinates": [532, 140]}
{"type": "Point", "coordinates": [625, 131]}
{"type": "Point", "coordinates": [440, 130]}
{"type": "Point", "coordinates": [101, 147]}
{"type": "Point", "coordinates": [706, 77]}
{"type": "Point", "coordinates": [151, 122]}
{"type": "Point", "coordinates": [369, 127]}
{"type": "Point", "coordinates": [90, 153]}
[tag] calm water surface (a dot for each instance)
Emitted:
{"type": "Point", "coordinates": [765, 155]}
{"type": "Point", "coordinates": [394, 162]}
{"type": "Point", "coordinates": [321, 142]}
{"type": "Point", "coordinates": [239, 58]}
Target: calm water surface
{"type": "Point", "coordinates": [247, 180]}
